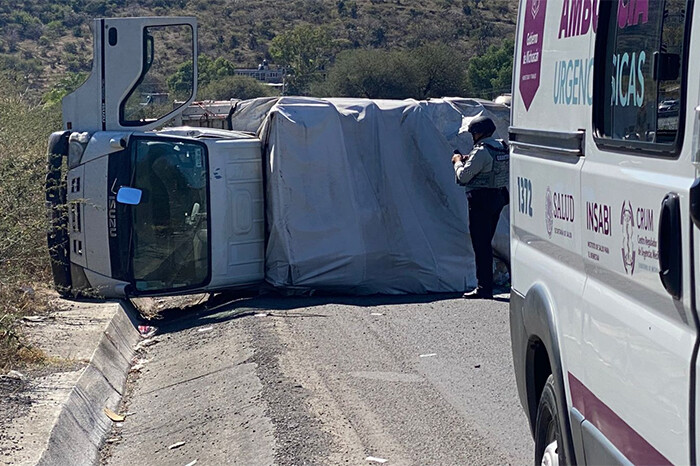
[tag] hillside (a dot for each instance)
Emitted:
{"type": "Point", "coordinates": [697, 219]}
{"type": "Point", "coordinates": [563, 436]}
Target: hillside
{"type": "Point", "coordinates": [40, 41]}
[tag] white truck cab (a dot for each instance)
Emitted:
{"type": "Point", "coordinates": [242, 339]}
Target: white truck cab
{"type": "Point", "coordinates": [131, 206]}
{"type": "Point", "coordinates": [604, 229]}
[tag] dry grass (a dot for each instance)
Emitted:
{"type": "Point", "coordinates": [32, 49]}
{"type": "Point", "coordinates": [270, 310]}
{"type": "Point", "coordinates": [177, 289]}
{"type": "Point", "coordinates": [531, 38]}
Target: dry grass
{"type": "Point", "coordinates": [24, 264]}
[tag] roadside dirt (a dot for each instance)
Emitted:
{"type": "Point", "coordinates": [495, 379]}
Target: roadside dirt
{"type": "Point", "coordinates": [14, 402]}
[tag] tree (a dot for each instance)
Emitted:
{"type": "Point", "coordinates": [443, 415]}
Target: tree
{"type": "Point", "coordinates": [180, 82]}
{"type": "Point", "coordinates": [428, 71]}
{"type": "Point", "coordinates": [208, 70]}
{"type": "Point", "coordinates": [440, 71]}
{"type": "Point", "coordinates": [491, 74]}
{"type": "Point", "coordinates": [372, 74]}
{"type": "Point", "coordinates": [234, 87]}
{"type": "Point", "coordinates": [305, 51]}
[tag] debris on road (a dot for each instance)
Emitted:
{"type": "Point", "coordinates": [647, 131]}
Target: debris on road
{"type": "Point", "coordinates": [376, 314]}
{"type": "Point", "coordinates": [176, 445]}
{"type": "Point", "coordinates": [192, 463]}
{"type": "Point", "coordinates": [14, 375]}
{"type": "Point", "coordinates": [151, 308]}
{"type": "Point", "coordinates": [261, 314]}
{"type": "Point", "coordinates": [374, 459]}
{"type": "Point", "coordinates": [146, 343]}
{"type": "Point", "coordinates": [34, 318]}
{"type": "Point", "coordinates": [139, 364]}
{"type": "Point", "coordinates": [205, 329]}
{"type": "Point", "coordinates": [113, 416]}
{"type": "Point", "coordinates": [478, 366]}
{"type": "Point", "coordinates": [429, 355]}
{"type": "Point", "coordinates": [147, 331]}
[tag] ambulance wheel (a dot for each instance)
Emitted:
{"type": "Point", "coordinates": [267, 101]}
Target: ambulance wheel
{"type": "Point", "coordinates": [548, 437]}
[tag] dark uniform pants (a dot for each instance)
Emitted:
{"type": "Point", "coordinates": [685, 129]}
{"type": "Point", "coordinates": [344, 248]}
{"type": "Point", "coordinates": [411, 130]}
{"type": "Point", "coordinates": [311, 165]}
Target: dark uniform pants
{"type": "Point", "coordinates": [485, 205]}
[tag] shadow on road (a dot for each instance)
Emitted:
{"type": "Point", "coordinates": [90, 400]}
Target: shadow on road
{"type": "Point", "coordinates": [223, 307]}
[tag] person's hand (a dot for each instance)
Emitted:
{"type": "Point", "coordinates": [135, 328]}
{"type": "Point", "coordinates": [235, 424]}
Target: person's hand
{"type": "Point", "coordinates": [456, 158]}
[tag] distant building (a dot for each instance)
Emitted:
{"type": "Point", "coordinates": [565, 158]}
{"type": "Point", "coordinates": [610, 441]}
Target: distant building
{"type": "Point", "coordinates": [263, 73]}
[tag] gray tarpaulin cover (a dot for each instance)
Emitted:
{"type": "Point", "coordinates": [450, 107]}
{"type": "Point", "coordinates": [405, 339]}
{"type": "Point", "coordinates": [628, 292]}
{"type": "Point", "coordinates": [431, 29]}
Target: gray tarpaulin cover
{"type": "Point", "coordinates": [361, 194]}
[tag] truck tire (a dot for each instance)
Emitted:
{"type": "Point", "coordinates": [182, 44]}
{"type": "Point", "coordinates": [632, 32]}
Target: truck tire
{"type": "Point", "coordinates": [548, 434]}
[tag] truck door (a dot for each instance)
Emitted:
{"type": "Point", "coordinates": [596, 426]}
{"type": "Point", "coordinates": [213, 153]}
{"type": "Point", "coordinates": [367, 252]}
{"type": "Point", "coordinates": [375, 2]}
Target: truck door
{"type": "Point", "coordinates": [144, 71]}
{"type": "Point", "coordinates": [135, 83]}
{"type": "Point", "coordinates": [631, 395]}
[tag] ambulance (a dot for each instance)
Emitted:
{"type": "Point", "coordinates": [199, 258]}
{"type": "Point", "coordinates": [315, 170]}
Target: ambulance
{"type": "Point", "coordinates": [605, 213]}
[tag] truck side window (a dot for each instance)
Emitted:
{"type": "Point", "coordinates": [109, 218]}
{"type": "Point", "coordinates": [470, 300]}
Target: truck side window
{"type": "Point", "coordinates": [639, 91]}
{"type": "Point", "coordinates": [166, 76]}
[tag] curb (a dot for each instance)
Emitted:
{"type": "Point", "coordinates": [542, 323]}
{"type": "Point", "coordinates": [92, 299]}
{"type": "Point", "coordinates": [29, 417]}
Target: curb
{"type": "Point", "coordinates": [81, 426]}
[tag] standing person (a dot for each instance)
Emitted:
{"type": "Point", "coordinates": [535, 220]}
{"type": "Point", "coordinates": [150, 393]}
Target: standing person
{"type": "Point", "coordinates": [484, 174]}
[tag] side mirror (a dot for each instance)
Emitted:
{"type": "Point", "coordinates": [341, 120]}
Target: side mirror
{"type": "Point", "coordinates": [129, 196]}
{"type": "Point", "coordinates": [667, 66]}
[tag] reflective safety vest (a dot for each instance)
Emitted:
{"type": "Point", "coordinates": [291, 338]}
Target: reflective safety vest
{"type": "Point", "coordinates": [498, 176]}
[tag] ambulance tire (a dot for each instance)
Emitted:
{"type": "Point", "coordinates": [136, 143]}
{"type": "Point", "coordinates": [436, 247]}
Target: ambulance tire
{"type": "Point", "coordinates": [547, 428]}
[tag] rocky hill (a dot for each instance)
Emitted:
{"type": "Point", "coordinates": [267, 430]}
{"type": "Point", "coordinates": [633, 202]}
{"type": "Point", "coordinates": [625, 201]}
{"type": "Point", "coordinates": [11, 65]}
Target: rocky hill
{"type": "Point", "coordinates": [41, 41]}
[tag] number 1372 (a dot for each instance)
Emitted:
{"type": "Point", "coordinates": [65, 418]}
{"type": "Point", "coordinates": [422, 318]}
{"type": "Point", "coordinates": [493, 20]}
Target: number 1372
{"type": "Point", "coordinates": [525, 196]}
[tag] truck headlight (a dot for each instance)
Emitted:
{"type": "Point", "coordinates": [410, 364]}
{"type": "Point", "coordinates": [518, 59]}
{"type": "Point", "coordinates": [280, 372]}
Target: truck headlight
{"type": "Point", "coordinates": [76, 147]}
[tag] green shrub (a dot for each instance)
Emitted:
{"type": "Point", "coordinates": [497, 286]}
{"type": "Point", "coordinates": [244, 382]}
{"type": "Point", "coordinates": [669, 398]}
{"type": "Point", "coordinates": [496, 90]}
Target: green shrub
{"type": "Point", "coordinates": [491, 73]}
{"type": "Point", "coordinates": [234, 87]}
{"type": "Point", "coordinates": [433, 70]}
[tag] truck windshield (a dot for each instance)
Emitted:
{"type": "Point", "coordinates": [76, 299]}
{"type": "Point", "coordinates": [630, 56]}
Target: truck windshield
{"type": "Point", "coordinates": [169, 244]}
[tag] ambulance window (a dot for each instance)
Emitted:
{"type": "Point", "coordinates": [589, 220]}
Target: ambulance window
{"type": "Point", "coordinates": [166, 77]}
{"type": "Point", "coordinates": [639, 93]}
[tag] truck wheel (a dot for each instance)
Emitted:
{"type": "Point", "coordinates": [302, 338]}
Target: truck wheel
{"type": "Point", "coordinates": [548, 437]}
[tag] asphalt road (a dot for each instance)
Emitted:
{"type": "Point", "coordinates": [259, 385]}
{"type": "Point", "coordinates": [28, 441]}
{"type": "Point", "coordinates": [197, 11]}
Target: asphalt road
{"type": "Point", "coordinates": [424, 380]}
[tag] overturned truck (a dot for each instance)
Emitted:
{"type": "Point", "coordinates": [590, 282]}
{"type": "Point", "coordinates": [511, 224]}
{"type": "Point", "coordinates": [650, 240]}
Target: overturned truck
{"type": "Point", "coordinates": [345, 195]}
